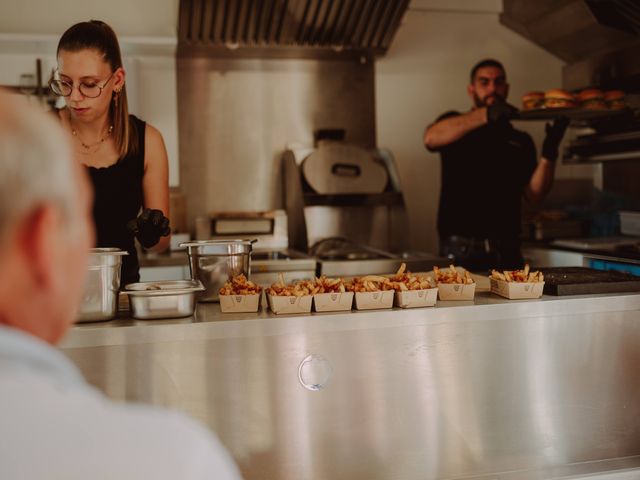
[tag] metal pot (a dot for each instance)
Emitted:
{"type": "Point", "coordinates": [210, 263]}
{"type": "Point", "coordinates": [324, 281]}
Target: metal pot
{"type": "Point", "coordinates": [100, 300]}
{"type": "Point", "coordinates": [213, 262]}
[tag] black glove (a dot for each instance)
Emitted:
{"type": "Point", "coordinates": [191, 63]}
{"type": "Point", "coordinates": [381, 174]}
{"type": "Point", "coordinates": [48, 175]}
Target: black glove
{"type": "Point", "coordinates": [500, 112]}
{"type": "Point", "coordinates": [555, 132]}
{"type": "Point", "coordinates": [149, 227]}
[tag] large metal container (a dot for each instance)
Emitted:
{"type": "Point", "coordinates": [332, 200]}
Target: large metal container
{"type": "Point", "coordinates": [213, 262]}
{"type": "Point", "coordinates": [165, 299]}
{"type": "Point", "coordinates": [100, 300]}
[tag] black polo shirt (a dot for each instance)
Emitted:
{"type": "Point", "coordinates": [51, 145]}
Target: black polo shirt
{"type": "Point", "coordinates": [484, 175]}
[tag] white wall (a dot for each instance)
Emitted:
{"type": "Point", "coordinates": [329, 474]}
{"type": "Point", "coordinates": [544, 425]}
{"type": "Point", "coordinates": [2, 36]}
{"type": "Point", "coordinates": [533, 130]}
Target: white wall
{"type": "Point", "coordinates": [147, 30]}
{"type": "Point", "coordinates": [426, 72]}
{"type": "Point", "coordinates": [157, 18]}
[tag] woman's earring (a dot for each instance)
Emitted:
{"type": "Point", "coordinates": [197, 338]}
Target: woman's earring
{"type": "Point", "coordinates": [116, 94]}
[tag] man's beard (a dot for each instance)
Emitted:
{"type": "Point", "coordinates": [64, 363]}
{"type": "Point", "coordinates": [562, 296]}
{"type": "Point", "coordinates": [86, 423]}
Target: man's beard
{"type": "Point", "coordinates": [482, 102]}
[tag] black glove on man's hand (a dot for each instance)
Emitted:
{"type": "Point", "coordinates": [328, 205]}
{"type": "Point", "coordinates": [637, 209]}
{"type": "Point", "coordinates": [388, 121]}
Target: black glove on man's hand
{"type": "Point", "coordinates": [149, 227]}
{"type": "Point", "coordinates": [500, 112]}
{"type": "Point", "coordinates": [555, 132]}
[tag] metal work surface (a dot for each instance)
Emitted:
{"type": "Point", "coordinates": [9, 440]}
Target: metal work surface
{"type": "Point", "coordinates": [485, 389]}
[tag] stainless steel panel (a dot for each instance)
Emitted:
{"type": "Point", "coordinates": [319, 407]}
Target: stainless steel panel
{"type": "Point", "coordinates": [236, 117]}
{"type": "Point", "coordinates": [546, 257]}
{"type": "Point", "coordinates": [267, 266]}
{"type": "Point", "coordinates": [281, 261]}
{"type": "Point", "coordinates": [509, 390]}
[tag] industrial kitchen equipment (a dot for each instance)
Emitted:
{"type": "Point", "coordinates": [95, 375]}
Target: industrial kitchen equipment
{"type": "Point", "coordinates": [345, 207]}
{"type": "Point", "coordinates": [271, 255]}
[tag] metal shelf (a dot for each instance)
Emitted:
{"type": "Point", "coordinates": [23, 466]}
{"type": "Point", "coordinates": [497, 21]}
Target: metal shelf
{"type": "Point", "coordinates": [575, 114]}
{"type": "Point", "coordinates": [605, 157]}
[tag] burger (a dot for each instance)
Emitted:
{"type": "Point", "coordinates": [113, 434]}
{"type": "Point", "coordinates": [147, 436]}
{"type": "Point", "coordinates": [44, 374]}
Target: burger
{"type": "Point", "coordinates": [532, 100]}
{"type": "Point", "coordinates": [558, 98]}
{"type": "Point", "coordinates": [592, 98]}
{"type": "Point", "coordinates": [615, 99]}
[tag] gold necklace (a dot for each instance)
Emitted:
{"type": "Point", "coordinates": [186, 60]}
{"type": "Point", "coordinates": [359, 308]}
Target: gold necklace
{"type": "Point", "coordinates": [98, 144]}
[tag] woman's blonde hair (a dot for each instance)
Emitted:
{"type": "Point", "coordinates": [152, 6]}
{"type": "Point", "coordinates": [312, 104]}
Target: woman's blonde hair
{"type": "Point", "coordinates": [97, 35]}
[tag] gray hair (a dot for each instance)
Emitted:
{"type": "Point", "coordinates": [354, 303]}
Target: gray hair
{"type": "Point", "coordinates": [35, 162]}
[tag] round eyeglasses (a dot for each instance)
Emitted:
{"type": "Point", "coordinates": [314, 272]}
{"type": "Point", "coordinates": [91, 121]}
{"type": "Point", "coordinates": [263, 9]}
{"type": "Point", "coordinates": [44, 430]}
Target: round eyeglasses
{"type": "Point", "coordinates": [87, 89]}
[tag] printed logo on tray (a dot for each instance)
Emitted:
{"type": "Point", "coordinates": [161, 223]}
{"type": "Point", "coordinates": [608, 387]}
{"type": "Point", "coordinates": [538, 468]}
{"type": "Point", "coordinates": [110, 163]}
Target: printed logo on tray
{"type": "Point", "coordinates": [375, 295]}
{"type": "Point", "coordinates": [334, 297]}
{"type": "Point", "coordinates": [238, 298]}
{"type": "Point", "coordinates": [420, 293]}
{"type": "Point", "coordinates": [527, 288]}
{"type": "Point", "coordinates": [292, 300]}
{"type": "Point", "coordinates": [457, 288]}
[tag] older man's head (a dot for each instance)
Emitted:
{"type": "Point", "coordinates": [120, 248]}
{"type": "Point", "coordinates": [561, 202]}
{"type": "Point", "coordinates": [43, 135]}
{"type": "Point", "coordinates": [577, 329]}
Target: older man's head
{"type": "Point", "coordinates": [45, 222]}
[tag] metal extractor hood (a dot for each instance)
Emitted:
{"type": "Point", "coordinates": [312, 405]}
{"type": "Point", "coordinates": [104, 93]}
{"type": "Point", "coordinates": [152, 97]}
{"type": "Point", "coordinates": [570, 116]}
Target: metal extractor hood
{"type": "Point", "coordinates": [288, 28]}
{"type": "Point", "coordinates": [598, 39]}
{"type": "Point", "coordinates": [574, 29]}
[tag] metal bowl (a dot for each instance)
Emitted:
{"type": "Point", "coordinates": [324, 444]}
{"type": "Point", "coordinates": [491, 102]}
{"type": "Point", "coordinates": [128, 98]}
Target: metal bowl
{"type": "Point", "coordinates": [164, 299]}
{"type": "Point", "coordinates": [100, 299]}
{"type": "Point", "coordinates": [213, 262]}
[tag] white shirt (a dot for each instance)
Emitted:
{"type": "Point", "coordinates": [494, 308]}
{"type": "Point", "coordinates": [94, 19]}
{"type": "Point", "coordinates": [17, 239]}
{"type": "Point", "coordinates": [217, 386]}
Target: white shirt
{"type": "Point", "coordinates": [54, 426]}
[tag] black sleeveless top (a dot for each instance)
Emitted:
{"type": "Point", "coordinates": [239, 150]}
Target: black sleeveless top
{"type": "Point", "coordinates": [118, 199]}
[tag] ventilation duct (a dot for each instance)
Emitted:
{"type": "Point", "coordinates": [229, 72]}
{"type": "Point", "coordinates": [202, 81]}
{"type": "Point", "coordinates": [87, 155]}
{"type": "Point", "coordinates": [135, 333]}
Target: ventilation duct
{"type": "Point", "coordinates": [281, 28]}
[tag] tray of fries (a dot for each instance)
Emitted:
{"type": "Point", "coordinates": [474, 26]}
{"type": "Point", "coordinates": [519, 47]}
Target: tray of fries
{"type": "Point", "coordinates": [373, 292]}
{"type": "Point", "coordinates": [454, 285]}
{"type": "Point", "coordinates": [413, 290]}
{"type": "Point", "coordinates": [333, 295]}
{"type": "Point", "coordinates": [240, 295]}
{"type": "Point", "coordinates": [293, 298]}
{"type": "Point", "coordinates": [517, 284]}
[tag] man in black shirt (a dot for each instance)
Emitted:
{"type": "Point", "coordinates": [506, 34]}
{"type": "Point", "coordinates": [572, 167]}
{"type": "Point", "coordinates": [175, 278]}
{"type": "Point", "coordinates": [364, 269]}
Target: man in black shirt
{"type": "Point", "coordinates": [487, 166]}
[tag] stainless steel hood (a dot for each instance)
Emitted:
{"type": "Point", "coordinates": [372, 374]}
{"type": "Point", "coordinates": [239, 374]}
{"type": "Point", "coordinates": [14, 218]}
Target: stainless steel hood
{"type": "Point", "coordinates": [599, 39]}
{"type": "Point", "coordinates": [570, 29]}
{"type": "Point", "coordinates": [288, 28]}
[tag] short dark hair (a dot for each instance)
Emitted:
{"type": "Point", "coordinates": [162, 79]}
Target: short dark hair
{"type": "Point", "coordinates": [487, 62]}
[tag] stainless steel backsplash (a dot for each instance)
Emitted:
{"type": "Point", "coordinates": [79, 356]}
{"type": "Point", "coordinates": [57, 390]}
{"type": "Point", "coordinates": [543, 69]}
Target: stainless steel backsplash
{"type": "Point", "coordinates": [236, 117]}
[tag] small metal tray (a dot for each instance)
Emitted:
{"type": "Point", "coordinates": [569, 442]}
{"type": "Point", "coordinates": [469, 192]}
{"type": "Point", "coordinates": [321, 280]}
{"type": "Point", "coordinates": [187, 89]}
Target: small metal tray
{"type": "Point", "coordinates": [164, 299]}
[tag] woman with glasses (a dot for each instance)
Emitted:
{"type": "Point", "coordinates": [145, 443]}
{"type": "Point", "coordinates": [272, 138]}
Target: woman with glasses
{"type": "Point", "coordinates": [125, 157]}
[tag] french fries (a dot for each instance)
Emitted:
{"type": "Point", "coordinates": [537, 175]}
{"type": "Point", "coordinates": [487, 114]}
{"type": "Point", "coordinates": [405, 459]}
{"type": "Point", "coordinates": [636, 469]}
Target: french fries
{"type": "Point", "coordinates": [333, 285]}
{"type": "Point", "coordinates": [521, 276]}
{"type": "Point", "coordinates": [403, 281]}
{"type": "Point", "coordinates": [371, 283]}
{"type": "Point", "coordinates": [239, 285]}
{"type": "Point", "coordinates": [452, 276]}
{"type": "Point", "coordinates": [400, 281]}
{"type": "Point", "coordinates": [298, 289]}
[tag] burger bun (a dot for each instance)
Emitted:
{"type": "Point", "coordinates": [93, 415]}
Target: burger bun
{"type": "Point", "coordinates": [558, 98]}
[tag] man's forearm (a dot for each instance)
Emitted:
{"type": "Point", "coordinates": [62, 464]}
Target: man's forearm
{"type": "Point", "coordinates": [447, 131]}
{"type": "Point", "coordinates": [541, 181]}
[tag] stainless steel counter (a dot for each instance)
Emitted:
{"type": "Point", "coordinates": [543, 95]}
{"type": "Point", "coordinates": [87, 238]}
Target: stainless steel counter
{"type": "Point", "coordinates": [487, 389]}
